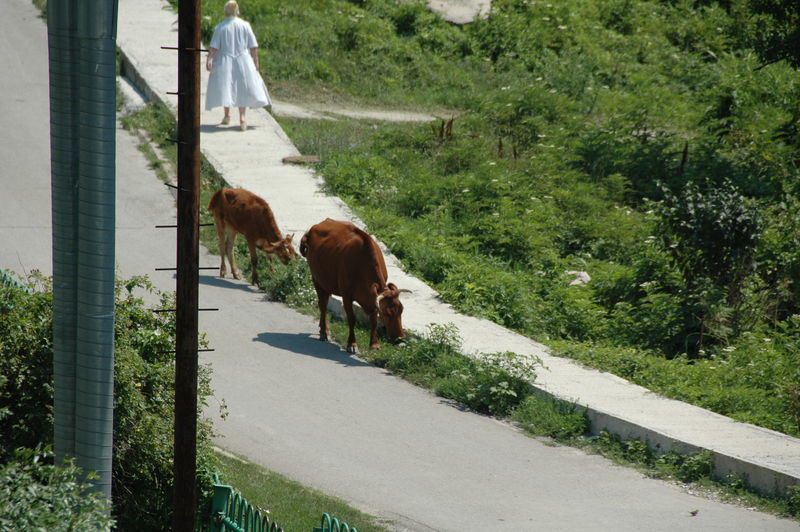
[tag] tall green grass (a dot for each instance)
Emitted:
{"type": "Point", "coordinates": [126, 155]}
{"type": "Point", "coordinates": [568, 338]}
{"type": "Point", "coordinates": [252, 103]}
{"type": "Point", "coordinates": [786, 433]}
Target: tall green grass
{"type": "Point", "coordinates": [576, 124]}
{"type": "Point", "coordinates": [578, 128]}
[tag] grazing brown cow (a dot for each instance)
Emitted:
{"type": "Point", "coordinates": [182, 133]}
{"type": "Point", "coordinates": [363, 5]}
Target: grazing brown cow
{"type": "Point", "coordinates": [237, 211]}
{"type": "Point", "coordinates": [346, 261]}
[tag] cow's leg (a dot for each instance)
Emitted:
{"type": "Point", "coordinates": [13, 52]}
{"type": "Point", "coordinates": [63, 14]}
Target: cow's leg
{"type": "Point", "coordinates": [322, 300]}
{"type": "Point", "coordinates": [220, 226]}
{"type": "Point", "coordinates": [373, 330]}
{"type": "Point", "coordinates": [230, 240]}
{"type": "Point", "coordinates": [351, 324]}
{"type": "Point", "coordinates": [251, 245]}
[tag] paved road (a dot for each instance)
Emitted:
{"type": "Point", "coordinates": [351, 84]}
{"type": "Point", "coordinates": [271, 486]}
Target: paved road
{"type": "Point", "coordinates": [305, 408]}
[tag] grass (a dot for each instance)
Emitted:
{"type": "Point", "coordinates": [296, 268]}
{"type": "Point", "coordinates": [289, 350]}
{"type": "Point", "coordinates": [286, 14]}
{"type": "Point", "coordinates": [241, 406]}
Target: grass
{"type": "Point", "coordinates": [292, 505]}
{"type": "Point", "coordinates": [433, 360]}
{"type": "Point", "coordinates": [594, 105]}
{"type": "Point", "coordinates": [160, 154]}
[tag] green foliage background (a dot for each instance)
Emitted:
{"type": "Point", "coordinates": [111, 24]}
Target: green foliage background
{"type": "Point", "coordinates": [143, 413]}
{"type": "Point", "coordinates": [652, 144]}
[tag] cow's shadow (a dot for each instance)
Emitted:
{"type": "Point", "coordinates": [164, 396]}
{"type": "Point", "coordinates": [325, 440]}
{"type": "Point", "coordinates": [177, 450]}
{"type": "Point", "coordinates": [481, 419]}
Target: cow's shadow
{"type": "Point", "coordinates": [218, 282]}
{"type": "Point", "coordinates": [309, 345]}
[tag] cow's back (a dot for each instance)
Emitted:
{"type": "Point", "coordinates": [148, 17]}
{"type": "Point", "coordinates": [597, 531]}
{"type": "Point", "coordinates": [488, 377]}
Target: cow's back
{"type": "Point", "coordinates": [343, 258]}
{"type": "Point", "coordinates": [245, 212]}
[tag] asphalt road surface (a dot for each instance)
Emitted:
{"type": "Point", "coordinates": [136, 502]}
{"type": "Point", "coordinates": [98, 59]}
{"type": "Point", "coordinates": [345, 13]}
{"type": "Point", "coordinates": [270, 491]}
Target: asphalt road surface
{"type": "Point", "coordinates": [305, 408]}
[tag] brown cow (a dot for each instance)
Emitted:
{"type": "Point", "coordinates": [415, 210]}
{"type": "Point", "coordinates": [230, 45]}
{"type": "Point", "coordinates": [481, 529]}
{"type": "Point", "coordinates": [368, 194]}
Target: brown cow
{"type": "Point", "coordinates": [346, 261]}
{"type": "Point", "coordinates": [237, 211]}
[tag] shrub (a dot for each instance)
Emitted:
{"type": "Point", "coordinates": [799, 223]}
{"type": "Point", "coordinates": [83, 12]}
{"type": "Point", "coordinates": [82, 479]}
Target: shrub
{"type": "Point", "coordinates": [547, 416]}
{"type": "Point", "coordinates": [711, 233]}
{"type": "Point", "coordinates": [26, 366]}
{"type": "Point", "coordinates": [491, 384]}
{"type": "Point", "coordinates": [794, 500]}
{"type": "Point", "coordinates": [494, 384]}
{"type": "Point", "coordinates": [685, 467]}
{"type": "Point", "coordinates": [37, 495]}
{"type": "Point", "coordinates": [143, 396]}
{"type": "Point", "coordinates": [143, 411]}
{"type": "Point", "coordinates": [290, 284]}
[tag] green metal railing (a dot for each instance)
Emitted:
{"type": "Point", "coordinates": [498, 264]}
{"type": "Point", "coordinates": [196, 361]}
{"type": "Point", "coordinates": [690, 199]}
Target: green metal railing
{"type": "Point", "coordinates": [6, 279]}
{"type": "Point", "coordinates": [231, 511]}
{"type": "Point", "coordinates": [330, 524]}
{"type": "Point", "coordinates": [9, 281]}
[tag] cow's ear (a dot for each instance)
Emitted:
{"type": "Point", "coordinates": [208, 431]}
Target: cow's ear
{"type": "Point", "coordinates": [289, 238]}
{"type": "Point", "coordinates": [274, 245]}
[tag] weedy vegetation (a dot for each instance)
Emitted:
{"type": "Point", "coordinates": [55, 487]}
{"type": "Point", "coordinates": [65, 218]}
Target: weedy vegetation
{"type": "Point", "coordinates": [652, 145]}
{"type": "Point", "coordinates": [43, 493]}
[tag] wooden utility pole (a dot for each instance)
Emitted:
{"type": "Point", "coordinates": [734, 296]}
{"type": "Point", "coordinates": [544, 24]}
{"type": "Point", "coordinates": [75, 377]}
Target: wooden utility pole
{"type": "Point", "coordinates": [186, 343]}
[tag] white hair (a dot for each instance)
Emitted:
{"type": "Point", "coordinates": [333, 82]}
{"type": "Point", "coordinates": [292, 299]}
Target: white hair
{"type": "Point", "coordinates": [231, 9]}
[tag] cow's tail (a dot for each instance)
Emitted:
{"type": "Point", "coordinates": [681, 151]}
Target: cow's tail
{"type": "Point", "coordinates": [216, 200]}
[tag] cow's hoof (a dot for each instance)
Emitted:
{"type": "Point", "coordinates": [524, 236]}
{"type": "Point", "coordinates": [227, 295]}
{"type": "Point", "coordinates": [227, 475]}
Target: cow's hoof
{"type": "Point", "coordinates": [375, 346]}
{"type": "Point", "coordinates": [323, 337]}
{"type": "Point", "coordinates": [235, 275]}
{"type": "Point", "coordinates": [352, 349]}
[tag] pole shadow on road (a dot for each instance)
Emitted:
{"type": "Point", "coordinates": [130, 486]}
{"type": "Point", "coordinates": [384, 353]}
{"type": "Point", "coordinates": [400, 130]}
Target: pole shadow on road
{"type": "Point", "coordinates": [307, 344]}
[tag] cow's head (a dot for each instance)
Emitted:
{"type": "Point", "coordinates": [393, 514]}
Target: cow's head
{"type": "Point", "coordinates": [282, 248]}
{"type": "Point", "coordinates": [391, 311]}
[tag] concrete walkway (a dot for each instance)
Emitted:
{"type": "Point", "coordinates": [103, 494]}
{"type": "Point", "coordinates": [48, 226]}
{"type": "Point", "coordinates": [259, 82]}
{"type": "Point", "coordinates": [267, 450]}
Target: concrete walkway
{"type": "Point", "coordinates": [252, 160]}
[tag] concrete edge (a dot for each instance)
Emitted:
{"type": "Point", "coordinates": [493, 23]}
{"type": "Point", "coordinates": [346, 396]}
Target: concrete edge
{"type": "Point", "coordinates": [761, 477]}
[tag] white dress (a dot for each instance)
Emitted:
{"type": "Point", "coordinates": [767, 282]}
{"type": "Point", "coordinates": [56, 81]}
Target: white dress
{"type": "Point", "coordinates": [234, 80]}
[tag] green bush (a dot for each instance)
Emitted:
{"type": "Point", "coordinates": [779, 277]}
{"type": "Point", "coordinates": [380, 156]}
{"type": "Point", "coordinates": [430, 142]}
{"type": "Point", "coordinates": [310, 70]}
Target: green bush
{"type": "Point", "coordinates": [596, 104]}
{"type": "Point", "coordinates": [143, 411]}
{"type": "Point", "coordinates": [491, 384]}
{"type": "Point", "coordinates": [794, 500]}
{"type": "Point", "coordinates": [37, 495]}
{"type": "Point", "coordinates": [26, 366]}
{"type": "Point", "coordinates": [546, 416]}
{"type": "Point", "coordinates": [488, 384]}
{"type": "Point", "coordinates": [143, 401]}
{"type": "Point", "coordinates": [753, 381]}
{"type": "Point", "coordinates": [684, 467]}
{"type": "Point", "coordinates": [289, 284]}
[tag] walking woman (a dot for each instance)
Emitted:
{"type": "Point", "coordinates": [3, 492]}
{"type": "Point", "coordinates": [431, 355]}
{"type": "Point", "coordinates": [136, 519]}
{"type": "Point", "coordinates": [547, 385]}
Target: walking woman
{"type": "Point", "coordinates": [233, 63]}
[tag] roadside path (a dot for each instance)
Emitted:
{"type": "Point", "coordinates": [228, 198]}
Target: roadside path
{"type": "Point", "coordinates": [252, 160]}
{"type": "Point", "coordinates": [305, 408]}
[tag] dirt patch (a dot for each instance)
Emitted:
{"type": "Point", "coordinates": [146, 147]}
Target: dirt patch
{"type": "Point", "coordinates": [332, 112]}
{"type": "Point", "coordinates": [460, 11]}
